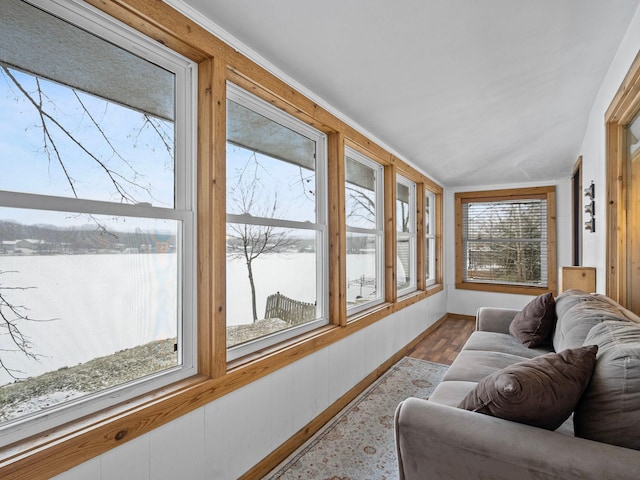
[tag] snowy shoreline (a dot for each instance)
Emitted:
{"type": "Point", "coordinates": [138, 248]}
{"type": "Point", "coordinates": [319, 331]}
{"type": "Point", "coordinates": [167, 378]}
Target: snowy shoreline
{"type": "Point", "coordinates": [35, 394]}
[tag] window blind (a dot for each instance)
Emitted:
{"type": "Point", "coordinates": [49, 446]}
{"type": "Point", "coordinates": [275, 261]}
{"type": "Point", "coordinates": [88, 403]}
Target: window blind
{"type": "Point", "coordinates": [505, 242]}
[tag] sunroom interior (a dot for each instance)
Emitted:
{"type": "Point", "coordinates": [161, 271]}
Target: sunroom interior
{"type": "Point", "coordinates": [305, 216]}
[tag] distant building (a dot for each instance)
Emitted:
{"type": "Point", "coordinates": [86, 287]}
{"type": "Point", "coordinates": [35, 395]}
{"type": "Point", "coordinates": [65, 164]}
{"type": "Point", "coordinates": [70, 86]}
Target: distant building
{"type": "Point", "coordinates": [7, 246]}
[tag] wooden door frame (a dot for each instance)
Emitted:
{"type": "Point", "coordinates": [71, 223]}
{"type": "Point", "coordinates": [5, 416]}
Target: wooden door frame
{"type": "Point", "coordinates": [576, 213]}
{"type": "Point", "coordinates": [623, 108]}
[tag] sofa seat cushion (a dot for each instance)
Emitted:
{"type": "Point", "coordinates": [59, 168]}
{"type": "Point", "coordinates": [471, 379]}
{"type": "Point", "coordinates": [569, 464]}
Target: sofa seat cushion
{"type": "Point", "coordinates": [609, 410]}
{"type": "Point", "coordinates": [541, 392]}
{"type": "Point", "coordinates": [503, 343]}
{"type": "Point", "coordinates": [451, 393]}
{"type": "Point", "coordinates": [474, 365]}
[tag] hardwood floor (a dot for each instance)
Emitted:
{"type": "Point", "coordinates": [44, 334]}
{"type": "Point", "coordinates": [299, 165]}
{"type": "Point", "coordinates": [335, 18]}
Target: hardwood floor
{"type": "Point", "coordinates": [445, 342]}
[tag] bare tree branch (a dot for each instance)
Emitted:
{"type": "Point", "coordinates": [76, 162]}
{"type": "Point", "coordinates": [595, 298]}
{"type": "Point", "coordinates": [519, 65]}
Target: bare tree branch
{"type": "Point", "coordinates": [10, 317]}
{"type": "Point", "coordinates": [117, 179]}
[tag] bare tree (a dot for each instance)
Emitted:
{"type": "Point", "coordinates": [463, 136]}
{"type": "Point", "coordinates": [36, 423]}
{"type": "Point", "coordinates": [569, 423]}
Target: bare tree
{"type": "Point", "coordinates": [251, 241]}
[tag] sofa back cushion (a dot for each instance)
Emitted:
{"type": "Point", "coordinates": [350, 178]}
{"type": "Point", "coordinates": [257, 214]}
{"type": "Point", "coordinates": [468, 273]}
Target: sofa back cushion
{"type": "Point", "coordinates": [627, 314]}
{"type": "Point", "coordinates": [577, 313]}
{"type": "Point", "coordinates": [609, 410]}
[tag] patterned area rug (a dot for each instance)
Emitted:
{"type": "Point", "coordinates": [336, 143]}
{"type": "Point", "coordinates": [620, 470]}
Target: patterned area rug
{"type": "Point", "coordinates": [358, 443]}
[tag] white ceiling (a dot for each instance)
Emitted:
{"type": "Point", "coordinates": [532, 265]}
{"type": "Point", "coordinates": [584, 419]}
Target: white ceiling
{"type": "Point", "coordinates": [472, 92]}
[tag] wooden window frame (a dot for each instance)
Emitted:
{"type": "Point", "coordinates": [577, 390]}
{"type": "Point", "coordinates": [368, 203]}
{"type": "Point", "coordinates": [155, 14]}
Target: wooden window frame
{"type": "Point", "coordinates": [411, 234]}
{"type": "Point", "coordinates": [267, 110]}
{"type": "Point", "coordinates": [180, 212]}
{"type": "Point", "coordinates": [623, 108]}
{"type": "Point", "coordinates": [366, 159]}
{"type": "Point", "coordinates": [547, 193]}
{"type": "Point", "coordinates": [53, 452]}
{"type": "Point", "coordinates": [431, 237]}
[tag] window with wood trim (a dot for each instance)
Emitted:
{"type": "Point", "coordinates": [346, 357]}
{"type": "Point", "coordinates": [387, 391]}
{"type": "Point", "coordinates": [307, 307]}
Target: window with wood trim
{"type": "Point", "coordinates": [365, 231]}
{"type": "Point", "coordinates": [97, 230]}
{"type": "Point", "coordinates": [405, 235]}
{"type": "Point", "coordinates": [276, 225]}
{"type": "Point", "coordinates": [430, 248]}
{"type": "Point", "coordinates": [505, 239]}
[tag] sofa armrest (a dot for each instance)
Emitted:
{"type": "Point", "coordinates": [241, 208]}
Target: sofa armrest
{"type": "Point", "coordinates": [435, 441]}
{"type": "Point", "coordinates": [492, 319]}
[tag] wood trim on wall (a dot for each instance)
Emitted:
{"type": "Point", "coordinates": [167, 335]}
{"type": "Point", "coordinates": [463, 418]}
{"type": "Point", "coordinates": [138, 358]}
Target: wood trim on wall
{"type": "Point", "coordinates": [337, 234]}
{"type": "Point", "coordinates": [546, 192]}
{"type": "Point", "coordinates": [390, 287]}
{"type": "Point", "coordinates": [420, 238]}
{"type": "Point", "coordinates": [439, 239]}
{"type": "Point", "coordinates": [621, 111]}
{"type": "Point", "coordinates": [576, 212]}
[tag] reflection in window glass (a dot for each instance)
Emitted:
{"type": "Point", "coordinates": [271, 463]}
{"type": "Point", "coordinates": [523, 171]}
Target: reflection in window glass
{"type": "Point", "coordinates": [270, 168]}
{"type": "Point", "coordinates": [363, 198]}
{"type": "Point", "coordinates": [362, 268]}
{"type": "Point", "coordinates": [275, 237]}
{"type": "Point", "coordinates": [77, 148]}
{"type": "Point", "coordinates": [403, 207]}
{"type": "Point", "coordinates": [361, 189]}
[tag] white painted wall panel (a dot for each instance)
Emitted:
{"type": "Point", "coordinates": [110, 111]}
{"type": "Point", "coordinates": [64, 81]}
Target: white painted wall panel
{"type": "Point", "coordinates": [87, 470]}
{"type": "Point", "coordinates": [225, 438]}
{"type": "Point", "coordinates": [177, 449]}
{"type": "Point", "coordinates": [221, 434]}
{"type": "Point", "coordinates": [282, 415]}
{"type": "Point", "coordinates": [128, 461]}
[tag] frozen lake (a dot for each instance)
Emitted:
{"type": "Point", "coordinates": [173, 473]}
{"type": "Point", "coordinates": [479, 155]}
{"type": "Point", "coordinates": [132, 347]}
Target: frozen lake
{"type": "Point", "coordinates": [127, 300]}
{"type": "Point", "coordinates": [89, 306]}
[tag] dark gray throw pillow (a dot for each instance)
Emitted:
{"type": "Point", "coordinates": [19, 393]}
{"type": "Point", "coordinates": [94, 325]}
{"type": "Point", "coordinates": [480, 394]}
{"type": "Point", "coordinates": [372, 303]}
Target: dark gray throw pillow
{"type": "Point", "coordinates": [541, 392]}
{"type": "Point", "coordinates": [534, 323]}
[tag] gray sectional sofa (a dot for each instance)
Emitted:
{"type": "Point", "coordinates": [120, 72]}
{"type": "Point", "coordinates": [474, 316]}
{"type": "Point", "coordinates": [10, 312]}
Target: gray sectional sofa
{"type": "Point", "coordinates": [436, 439]}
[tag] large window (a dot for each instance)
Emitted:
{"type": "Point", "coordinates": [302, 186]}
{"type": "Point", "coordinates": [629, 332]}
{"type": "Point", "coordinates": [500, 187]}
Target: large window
{"type": "Point", "coordinates": [506, 238]}
{"type": "Point", "coordinates": [365, 241]}
{"type": "Point", "coordinates": [430, 237]}
{"type": "Point", "coordinates": [97, 243]}
{"type": "Point", "coordinates": [405, 235]}
{"type": "Point", "coordinates": [276, 225]}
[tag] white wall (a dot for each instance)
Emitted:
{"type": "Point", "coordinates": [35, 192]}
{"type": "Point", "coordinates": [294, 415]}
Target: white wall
{"type": "Point", "coordinates": [227, 437]}
{"type": "Point", "coordinates": [593, 150]}
{"type": "Point", "coordinates": [467, 302]}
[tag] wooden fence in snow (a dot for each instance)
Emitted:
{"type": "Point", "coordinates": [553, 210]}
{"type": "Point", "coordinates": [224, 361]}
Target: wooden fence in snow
{"type": "Point", "coordinates": [291, 311]}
